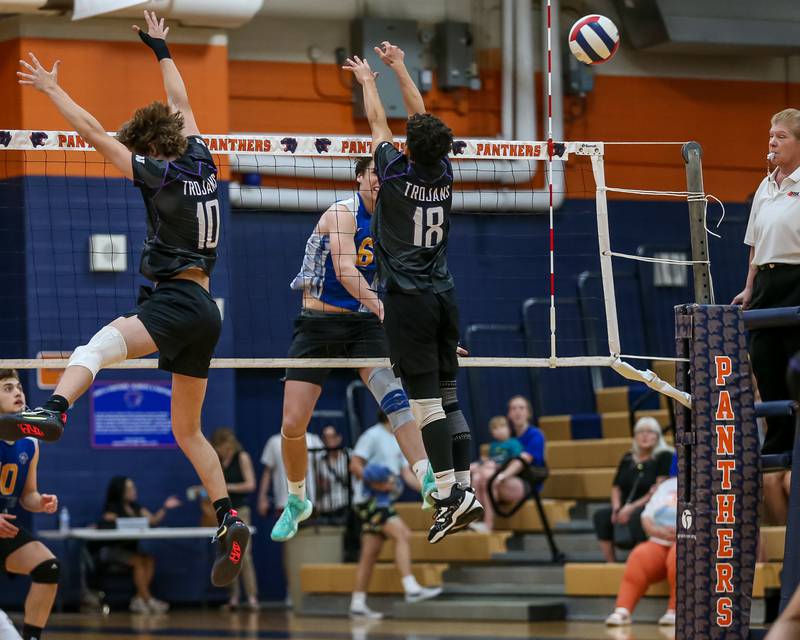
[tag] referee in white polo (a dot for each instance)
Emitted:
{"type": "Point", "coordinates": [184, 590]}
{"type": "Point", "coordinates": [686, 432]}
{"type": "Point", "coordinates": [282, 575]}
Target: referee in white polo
{"type": "Point", "coordinates": [773, 279]}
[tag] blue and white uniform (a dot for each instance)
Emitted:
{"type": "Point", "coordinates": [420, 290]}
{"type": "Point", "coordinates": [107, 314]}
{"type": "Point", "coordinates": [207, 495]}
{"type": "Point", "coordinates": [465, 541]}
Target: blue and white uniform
{"type": "Point", "coordinates": [318, 275]}
{"type": "Point", "coordinates": [15, 460]}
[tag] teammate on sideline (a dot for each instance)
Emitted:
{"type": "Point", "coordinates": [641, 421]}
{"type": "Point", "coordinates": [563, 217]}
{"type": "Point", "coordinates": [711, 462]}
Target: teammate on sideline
{"type": "Point", "coordinates": [161, 150]}
{"type": "Point", "coordinates": [410, 228]}
{"type": "Point", "coordinates": [341, 317]}
{"type": "Point", "coordinates": [20, 552]}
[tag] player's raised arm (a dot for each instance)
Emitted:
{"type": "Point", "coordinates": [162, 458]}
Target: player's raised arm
{"type": "Point", "coordinates": [394, 58]}
{"type": "Point", "coordinates": [340, 226]}
{"type": "Point", "coordinates": [376, 115]}
{"type": "Point", "coordinates": [178, 98]}
{"type": "Point", "coordinates": [80, 119]}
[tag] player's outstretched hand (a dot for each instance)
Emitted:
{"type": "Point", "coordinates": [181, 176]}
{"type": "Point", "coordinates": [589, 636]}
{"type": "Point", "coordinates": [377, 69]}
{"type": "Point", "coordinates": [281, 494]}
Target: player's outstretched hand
{"type": "Point", "coordinates": [360, 68]}
{"type": "Point", "coordinates": [36, 75]}
{"type": "Point", "coordinates": [390, 54]}
{"type": "Point", "coordinates": [155, 27]}
{"type": "Point", "coordinates": [7, 530]}
{"type": "Point", "coordinates": [49, 503]}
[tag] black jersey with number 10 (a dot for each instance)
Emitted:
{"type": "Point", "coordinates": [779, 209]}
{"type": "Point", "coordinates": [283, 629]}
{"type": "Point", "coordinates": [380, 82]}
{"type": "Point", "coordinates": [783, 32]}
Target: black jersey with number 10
{"type": "Point", "coordinates": [411, 222]}
{"type": "Point", "coordinates": [183, 214]}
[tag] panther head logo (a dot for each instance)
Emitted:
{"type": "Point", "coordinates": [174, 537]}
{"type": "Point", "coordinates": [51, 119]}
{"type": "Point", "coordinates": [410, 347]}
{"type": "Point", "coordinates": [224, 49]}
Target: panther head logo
{"type": "Point", "coordinates": [322, 144]}
{"type": "Point", "coordinates": [5, 138]}
{"type": "Point", "coordinates": [289, 144]}
{"type": "Point", "coordinates": [458, 147]}
{"type": "Point", "coordinates": [38, 138]}
{"type": "Point", "coordinates": [558, 149]}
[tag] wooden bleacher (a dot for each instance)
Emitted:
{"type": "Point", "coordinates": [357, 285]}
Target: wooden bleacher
{"type": "Point", "coordinates": [340, 578]}
{"type": "Point", "coordinates": [579, 484]}
{"type": "Point", "coordinates": [464, 547]}
{"type": "Point", "coordinates": [603, 579]}
{"type": "Point", "coordinates": [525, 520]}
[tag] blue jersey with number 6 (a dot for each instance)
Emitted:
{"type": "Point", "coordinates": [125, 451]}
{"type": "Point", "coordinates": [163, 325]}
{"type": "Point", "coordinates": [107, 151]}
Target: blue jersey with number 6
{"type": "Point", "coordinates": [317, 273]}
{"type": "Point", "coordinates": [412, 222]}
{"type": "Point", "coordinates": [15, 461]}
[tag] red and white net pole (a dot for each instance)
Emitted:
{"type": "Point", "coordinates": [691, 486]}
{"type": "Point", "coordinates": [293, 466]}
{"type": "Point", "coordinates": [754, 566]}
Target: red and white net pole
{"type": "Point", "coordinates": [550, 183]}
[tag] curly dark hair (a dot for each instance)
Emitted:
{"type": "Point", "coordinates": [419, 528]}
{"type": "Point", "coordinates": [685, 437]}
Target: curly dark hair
{"type": "Point", "coordinates": [428, 139]}
{"type": "Point", "coordinates": [154, 130]}
{"type": "Point", "coordinates": [362, 165]}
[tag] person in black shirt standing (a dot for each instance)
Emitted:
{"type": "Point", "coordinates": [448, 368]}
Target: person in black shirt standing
{"type": "Point", "coordinates": [410, 227]}
{"type": "Point", "coordinates": [161, 150]}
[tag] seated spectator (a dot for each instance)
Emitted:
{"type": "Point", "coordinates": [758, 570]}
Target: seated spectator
{"type": "Point", "coordinates": [639, 472]}
{"type": "Point", "coordinates": [379, 462]}
{"type": "Point", "coordinates": [121, 502]}
{"type": "Point", "coordinates": [653, 560]}
{"type": "Point", "coordinates": [240, 479]}
{"type": "Point", "coordinates": [777, 488]}
{"type": "Point", "coordinates": [527, 443]}
{"type": "Point", "coordinates": [333, 478]}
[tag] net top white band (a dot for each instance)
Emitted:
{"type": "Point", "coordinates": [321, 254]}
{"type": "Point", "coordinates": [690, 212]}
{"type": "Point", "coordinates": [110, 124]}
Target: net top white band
{"type": "Point", "coordinates": [315, 146]}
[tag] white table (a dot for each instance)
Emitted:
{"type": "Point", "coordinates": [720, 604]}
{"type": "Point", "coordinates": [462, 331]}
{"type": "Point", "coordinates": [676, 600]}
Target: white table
{"type": "Point", "coordinates": [82, 535]}
{"type": "Point", "coordinates": [156, 533]}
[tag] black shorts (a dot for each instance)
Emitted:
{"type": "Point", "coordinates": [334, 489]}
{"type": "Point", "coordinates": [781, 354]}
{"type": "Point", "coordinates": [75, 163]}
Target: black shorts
{"type": "Point", "coordinates": [319, 334]}
{"type": "Point", "coordinates": [10, 545]}
{"type": "Point", "coordinates": [374, 517]}
{"type": "Point", "coordinates": [184, 322]}
{"type": "Point", "coordinates": [423, 335]}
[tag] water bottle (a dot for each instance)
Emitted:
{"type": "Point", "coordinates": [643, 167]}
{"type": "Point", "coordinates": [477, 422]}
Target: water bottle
{"type": "Point", "coordinates": [63, 520]}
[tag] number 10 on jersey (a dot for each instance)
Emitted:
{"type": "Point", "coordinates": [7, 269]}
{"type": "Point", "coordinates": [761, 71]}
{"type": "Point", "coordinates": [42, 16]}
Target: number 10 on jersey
{"type": "Point", "coordinates": [208, 223]}
{"type": "Point", "coordinates": [428, 223]}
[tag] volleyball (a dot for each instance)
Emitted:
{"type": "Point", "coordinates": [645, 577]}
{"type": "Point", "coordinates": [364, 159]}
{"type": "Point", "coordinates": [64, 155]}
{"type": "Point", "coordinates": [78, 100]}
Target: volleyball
{"type": "Point", "coordinates": [594, 39]}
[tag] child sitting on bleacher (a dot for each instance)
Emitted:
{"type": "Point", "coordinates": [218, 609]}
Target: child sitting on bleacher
{"type": "Point", "coordinates": [503, 447]}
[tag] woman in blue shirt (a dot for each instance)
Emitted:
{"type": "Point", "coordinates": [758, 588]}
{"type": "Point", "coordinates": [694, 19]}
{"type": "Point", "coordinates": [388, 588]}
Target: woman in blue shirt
{"type": "Point", "coordinates": [508, 486]}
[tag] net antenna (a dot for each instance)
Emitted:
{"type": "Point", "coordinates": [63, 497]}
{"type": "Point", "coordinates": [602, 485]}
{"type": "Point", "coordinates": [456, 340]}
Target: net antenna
{"type": "Point", "coordinates": [235, 152]}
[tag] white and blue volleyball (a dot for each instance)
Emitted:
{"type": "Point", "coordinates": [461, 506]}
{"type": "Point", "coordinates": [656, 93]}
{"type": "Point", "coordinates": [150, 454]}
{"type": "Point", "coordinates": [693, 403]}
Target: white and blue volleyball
{"type": "Point", "coordinates": [594, 39]}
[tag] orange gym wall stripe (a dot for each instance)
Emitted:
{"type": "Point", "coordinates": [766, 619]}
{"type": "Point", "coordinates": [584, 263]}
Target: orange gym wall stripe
{"type": "Point", "coordinates": [110, 79]}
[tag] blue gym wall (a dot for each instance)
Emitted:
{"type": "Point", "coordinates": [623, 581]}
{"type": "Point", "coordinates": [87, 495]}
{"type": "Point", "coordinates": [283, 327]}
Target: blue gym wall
{"type": "Point", "coordinates": [498, 261]}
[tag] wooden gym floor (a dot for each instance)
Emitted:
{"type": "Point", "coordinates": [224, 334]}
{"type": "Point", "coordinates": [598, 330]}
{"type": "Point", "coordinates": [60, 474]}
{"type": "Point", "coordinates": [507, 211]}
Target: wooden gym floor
{"type": "Point", "coordinates": [278, 625]}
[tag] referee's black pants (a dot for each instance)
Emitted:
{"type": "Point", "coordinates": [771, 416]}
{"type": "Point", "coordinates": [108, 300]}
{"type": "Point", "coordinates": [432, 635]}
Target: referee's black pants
{"type": "Point", "coordinates": [771, 349]}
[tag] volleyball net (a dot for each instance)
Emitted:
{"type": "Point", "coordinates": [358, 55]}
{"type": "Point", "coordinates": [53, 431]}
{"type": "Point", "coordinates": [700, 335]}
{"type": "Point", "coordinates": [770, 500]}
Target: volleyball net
{"type": "Point", "coordinates": [555, 267]}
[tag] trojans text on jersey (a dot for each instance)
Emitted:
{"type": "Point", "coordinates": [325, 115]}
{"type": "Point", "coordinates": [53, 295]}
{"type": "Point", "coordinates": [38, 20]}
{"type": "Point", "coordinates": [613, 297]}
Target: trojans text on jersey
{"type": "Point", "coordinates": [427, 194]}
{"type": "Point", "coordinates": [196, 188]}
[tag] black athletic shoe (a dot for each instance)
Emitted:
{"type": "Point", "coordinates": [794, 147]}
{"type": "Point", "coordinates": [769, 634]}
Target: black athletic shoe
{"type": "Point", "coordinates": [38, 423]}
{"type": "Point", "coordinates": [232, 539]}
{"type": "Point", "coordinates": [473, 514]}
{"type": "Point", "coordinates": [458, 510]}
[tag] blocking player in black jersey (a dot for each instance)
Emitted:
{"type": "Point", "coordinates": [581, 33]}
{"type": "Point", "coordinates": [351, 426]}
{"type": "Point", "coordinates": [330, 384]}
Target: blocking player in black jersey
{"type": "Point", "coordinates": [161, 150]}
{"type": "Point", "coordinates": [410, 229]}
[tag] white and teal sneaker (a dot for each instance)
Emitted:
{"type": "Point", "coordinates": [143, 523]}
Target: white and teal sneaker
{"type": "Point", "coordinates": [295, 512]}
{"type": "Point", "coordinates": [428, 487]}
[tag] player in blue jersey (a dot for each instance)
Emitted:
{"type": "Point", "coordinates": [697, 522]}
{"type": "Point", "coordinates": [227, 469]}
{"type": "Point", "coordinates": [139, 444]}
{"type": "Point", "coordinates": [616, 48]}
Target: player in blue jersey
{"type": "Point", "coordinates": [340, 318]}
{"type": "Point", "coordinates": [20, 552]}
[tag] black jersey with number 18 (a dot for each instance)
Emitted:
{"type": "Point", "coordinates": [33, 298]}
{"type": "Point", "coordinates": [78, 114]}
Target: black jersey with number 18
{"type": "Point", "coordinates": [183, 215]}
{"type": "Point", "coordinates": [411, 222]}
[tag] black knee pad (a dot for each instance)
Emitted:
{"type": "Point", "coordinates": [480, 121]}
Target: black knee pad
{"type": "Point", "coordinates": [46, 572]}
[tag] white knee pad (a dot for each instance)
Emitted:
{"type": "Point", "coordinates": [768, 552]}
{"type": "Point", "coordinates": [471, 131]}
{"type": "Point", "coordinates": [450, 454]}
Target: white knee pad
{"type": "Point", "coordinates": [389, 393]}
{"type": "Point", "coordinates": [427, 410]}
{"type": "Point", "coordinates": [106, 347]}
